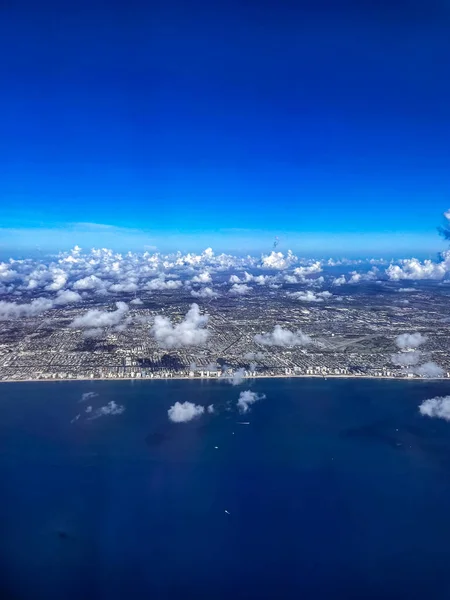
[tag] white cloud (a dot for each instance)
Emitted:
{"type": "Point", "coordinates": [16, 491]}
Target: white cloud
{"type": "Point", "coordinates": [262, 279]}
{"type": "Point", "coordinates": [110, 409]}
{"type": "Point", "coordinates": [312, 269]}
{"type": "Point", "coordinates": [203, 277]}
{"type": "Point", "coordinates": [240, 289]}
{"type": "Point", "coordinates": [124, 286]}
{"type": "Point", "coordinates": [234, 279]}
{"type": "Point", "coordinates": [410, 340]}
{"type": "Point", "coordinates": [371, 275]}
{"type": "Point", "coordinates": [339, 280]}
{"type": "Point", "coordinates": [246, 399]}
{"type": "Point", "coordinates": [67, 297]}
{"type": "Point", "coordinates": [88, 396]}
{"type": "Point", "coordinates": [100, 318]}
{"type": "Point", "coordinates": [210, 409]}
{"type": "Point", "coordinates": [11, 310]}
{"type": "Point", "coordinates": [429, 370]}
{"type": "Point", "coordinates": [59, 280]}
{"type": "Point", "coordinates": [310, 296]}
{"type": "Point", "coordinates": [160, 283]}
{"type": "Point", "coordinates": [277, 260]}
{"type": "Point", "coordinates": [205, 292]}
{"type": "Point", "coordinates": [190, 332]}
{"type": "Point", "coordinates": [355, 277]}
{"type": "Point", "coordinates": [438, 407]}
{"type": "Point", "coordinates": [407, 290]}
{"type": "Point", "coordinates": [406, 359]}
{"type": "Point", "coordinates": [6, 273]}
{"type": "Point", "coordinates": [413, 269]}
{"type": "Point", "coordinates": [186, 411]}
{"type": "Point", "coordinates": [136, 301]}
{"type": "Point", "coordinates": [92, 282]}
{"type": "Point", "coordinates": [283, 337]}
{"type": "Point", "coordinates": [290, 279]}
{"type": "Point", "coordinates": [237, 377]}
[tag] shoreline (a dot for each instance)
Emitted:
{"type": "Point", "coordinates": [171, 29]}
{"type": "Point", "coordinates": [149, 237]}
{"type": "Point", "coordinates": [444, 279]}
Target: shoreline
{"type": "Point", "coordinates": [224, 379]}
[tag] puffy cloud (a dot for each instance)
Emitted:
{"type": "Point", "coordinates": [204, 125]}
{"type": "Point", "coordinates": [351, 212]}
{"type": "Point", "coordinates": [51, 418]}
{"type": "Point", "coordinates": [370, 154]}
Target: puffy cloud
{"type": "Point", "coordinates": [406, 359]}
{"type": "Point", "coordinates": [339, 280]}
{"type": "Point", "coordinates": [190, 332]}
{"type": "Point", "coordinates": [210, 409]}
{"type": "Point", "coordinates": [234, 279]}
{"type": "Point", "coordinates": [11, 310]}
{"type": "Point", "coordinates": [160, 283]}
{"type": "Point", "coordinates": [59, 280]}
{"type": "Point", "coordinates": [246, 399]}
{"type": "Point", "coordinates": [413, 269]}
{"type": "Point", "coordinates": [290, 279]}
{"type": "Point", "coordinates": [205, 292]}
{"type": "Point", "coordinates": [100, 318]}
{"type": "Point", "coordinates": [67, 297]}
{"type": "Point", "coordinates": [237, 377]}
{"type": "Point", "coordinates": [110, 409]}
{"type": "Point", "coordinates": [407, 290]}
{"type": "Point", "coordinates": [6, 273]}
{"type": "Point", "coordinates": [438, 407]}
{"type": "Point", "coordinates": [312, 269]}
{"type": "Point", "coordinates": [356, 277]}
{"type": "Point", "coordinates": [203, 277]}
{"type": "Point", "coordinates": [136, 301]}
{"type": "Point", "coordinates": [91, 282]}
{"type": "Point", "coordinates": [410, 340]}
{"type": "Point", "coordinates": [124, 286]}
{"type": "Point", "coordinates": [277, 260]}
{"type": "Point", "coordinates": [283, 337]}
{"type": "Point", "coordinates": [310, 296]}
{"type": "Point", "coordinates": [429, 370]}
{"type": "Point", "coordinates": [240, 289]}
{"type": "Point", "coordinates": [186, 411]}
{"type": "Point", "coordinates": [262, 279]}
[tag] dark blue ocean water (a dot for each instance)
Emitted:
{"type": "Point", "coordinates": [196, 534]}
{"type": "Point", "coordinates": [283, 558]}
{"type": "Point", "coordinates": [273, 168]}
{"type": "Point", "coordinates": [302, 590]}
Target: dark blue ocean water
{"type": "Point", "coordinates": [336, 489]}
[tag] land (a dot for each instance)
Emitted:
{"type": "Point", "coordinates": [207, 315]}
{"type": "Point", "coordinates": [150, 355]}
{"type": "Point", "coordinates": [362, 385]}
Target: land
{"type": "Point", "coordinates": [353, 335]}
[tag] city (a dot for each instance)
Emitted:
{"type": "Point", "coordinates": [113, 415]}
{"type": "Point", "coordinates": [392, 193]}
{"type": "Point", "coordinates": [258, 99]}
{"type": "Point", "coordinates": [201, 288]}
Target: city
{"type": "Point", "coordinates": [347, 329]}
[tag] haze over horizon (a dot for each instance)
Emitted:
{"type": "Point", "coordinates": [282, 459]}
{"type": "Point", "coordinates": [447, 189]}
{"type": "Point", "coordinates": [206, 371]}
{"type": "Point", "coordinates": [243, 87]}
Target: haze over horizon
{"type": "Point", "coordinates": [156, 125]}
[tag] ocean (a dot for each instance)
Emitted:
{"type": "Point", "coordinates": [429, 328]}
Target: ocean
{"type": "Point", "coordinates": [335, 488]}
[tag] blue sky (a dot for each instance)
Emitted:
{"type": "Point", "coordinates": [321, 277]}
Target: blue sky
{"type": "Point", "coordinates": [224, 124]}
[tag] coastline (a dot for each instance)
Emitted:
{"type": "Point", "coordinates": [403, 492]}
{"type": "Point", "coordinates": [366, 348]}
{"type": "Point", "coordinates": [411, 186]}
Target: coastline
{"type": "Point", "coordinates": [186, 377]}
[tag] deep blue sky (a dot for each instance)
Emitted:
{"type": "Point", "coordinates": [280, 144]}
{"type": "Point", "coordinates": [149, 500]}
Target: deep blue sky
{"type": "Point", "coordinates": [216, 122]}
